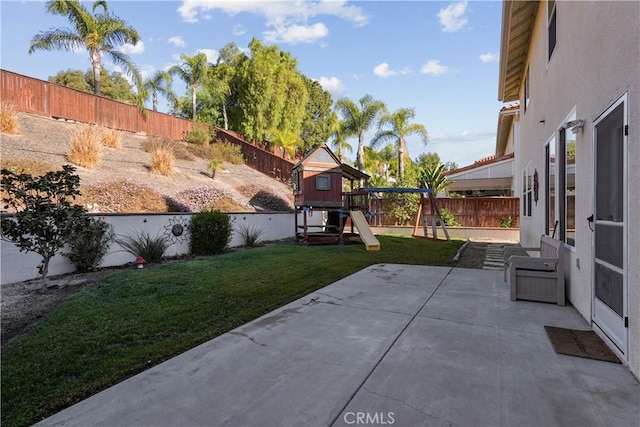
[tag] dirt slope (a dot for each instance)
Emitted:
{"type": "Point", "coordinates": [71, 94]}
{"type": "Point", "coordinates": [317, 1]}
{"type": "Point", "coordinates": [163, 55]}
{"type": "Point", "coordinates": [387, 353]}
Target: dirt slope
{"type": "Point", "coordinates": [46, 140]}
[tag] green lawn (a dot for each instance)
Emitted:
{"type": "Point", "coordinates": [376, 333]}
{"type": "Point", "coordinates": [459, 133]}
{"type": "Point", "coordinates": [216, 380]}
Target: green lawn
{"type": "Point", "coordinates": [135, 319]}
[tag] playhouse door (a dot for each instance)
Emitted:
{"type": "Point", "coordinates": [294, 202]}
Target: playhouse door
{"type": "Point", "coordinates": [610, 225]}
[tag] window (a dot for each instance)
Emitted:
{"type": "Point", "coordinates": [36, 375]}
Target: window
{"type": "Point", "coordinates": [527, 92]}
{"type": "Point", "coordinates": [550, 188]}
{"type": "Point", "coordinates": [567, 186]}
{"type": "Point", "coordinates": [323, 182]}
{"type": "Point", "coordinates": [527, 191]}
{"type": "Point", "coordinates": [551, 26]}
{"type": "Point", "coordinates": [295, 182]}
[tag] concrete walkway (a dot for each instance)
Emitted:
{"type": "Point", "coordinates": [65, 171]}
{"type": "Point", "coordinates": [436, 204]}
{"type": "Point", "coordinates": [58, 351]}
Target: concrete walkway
{"type": "Point", "coordinates": [390, 345]}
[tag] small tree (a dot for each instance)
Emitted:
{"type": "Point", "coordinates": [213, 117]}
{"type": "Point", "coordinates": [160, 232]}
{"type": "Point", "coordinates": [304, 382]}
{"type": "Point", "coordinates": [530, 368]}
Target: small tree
{"type": "Point", "coordinates": [45, 218]}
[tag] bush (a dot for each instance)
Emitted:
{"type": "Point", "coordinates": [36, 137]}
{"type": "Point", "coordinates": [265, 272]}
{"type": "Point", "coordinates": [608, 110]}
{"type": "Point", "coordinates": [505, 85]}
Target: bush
{"type": "Point", "coordinates": [265, 199]}
{"type": "Point", "coordinates": [250, 235]}
{"type": "Point", "coordinates": [179, 150]}
{"type": "Point", "coordinates": [162, 161]}
{"type": "Point", "coordinates": [32, 167]}
{"type": "Point", "coordinates": [448, 218]}
{"type": "Point", "coordinates": [225, 151]}
{"type": "Point", "coordinates": [8, 118]}
{"type": "Point", "coordinates": [210, 233]}
{"type": "Point", "coordinates": [213, 165]}
{"type": "Point", "coordinates": [85, 146]}
{"type": "Point", "coordinates": [111, 138]}
{"type": "Point", "coordinates": [89, 244]}
{"type": "Point", "coordinates": [197, 136]}
{"type": "Point", "coordinates": [143, 244]}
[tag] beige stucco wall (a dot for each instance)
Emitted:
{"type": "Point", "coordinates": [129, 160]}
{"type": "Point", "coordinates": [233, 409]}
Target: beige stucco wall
{"type": "Point", "coordinates": [596, 61]}
{"type": "Point", "coordinates": [17, 266]}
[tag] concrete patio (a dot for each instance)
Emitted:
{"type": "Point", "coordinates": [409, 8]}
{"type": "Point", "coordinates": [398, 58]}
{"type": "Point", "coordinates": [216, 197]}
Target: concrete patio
{"type": "Point", "coordinates": [390, 345]}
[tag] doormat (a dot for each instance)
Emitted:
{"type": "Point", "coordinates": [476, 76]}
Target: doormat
{"type": "Point", "coordinates": [586, 344]}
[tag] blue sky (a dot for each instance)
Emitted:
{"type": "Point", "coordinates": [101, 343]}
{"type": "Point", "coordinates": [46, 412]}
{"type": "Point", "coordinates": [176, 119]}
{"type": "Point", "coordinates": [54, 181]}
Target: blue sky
{"type": "Point", "coordinates": [440, 58]}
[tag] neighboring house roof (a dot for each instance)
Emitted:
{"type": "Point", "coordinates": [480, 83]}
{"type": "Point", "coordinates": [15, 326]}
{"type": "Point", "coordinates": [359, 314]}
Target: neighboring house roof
{"type": "Point", "coordinates": [518, 18]}
{"type": "Point", "coordinates": [490, 173]}
{"type": "Point", "coordinates": [479, 164]}
{"type": "Point", "coordinates": [505, 122]}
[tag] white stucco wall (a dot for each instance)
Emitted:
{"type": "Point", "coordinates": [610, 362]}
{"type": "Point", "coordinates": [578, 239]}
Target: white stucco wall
{"type": "Point", "coordinates": [18, 266]}
{"type": "Point", "coordinates": [596, 61]}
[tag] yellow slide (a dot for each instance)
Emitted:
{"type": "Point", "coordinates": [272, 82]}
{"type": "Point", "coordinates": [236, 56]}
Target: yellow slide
{"type": "Point", "coordinates": [369, 240]}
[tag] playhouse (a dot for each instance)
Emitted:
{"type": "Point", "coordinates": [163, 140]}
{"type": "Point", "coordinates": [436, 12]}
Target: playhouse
{"type": "Point", "coordinates": [319, 181]}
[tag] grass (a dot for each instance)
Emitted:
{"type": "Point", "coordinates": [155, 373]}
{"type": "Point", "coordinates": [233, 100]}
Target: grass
{"type": "Point", "coordinates": [8, 118]}
{"type": "Point", "coordinates": [162, 162]}
{"type": "Point", "coordinates": [29, 166]}
{"type": "Point", "coordinates": [135, 319]}
{"type": "Point", "coordinates": [111, 138]}
{"type": "Point", "coordinates": [85, 146]}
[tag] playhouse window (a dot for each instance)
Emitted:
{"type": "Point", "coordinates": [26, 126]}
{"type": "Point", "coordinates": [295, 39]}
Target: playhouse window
{"type": "Point", "coordinates": [323, 182]}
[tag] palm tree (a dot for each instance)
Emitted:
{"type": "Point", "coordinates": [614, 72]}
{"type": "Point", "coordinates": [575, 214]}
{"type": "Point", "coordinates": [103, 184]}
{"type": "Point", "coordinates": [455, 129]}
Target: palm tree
{"type": "Point", "coordinates": [398, 130]}
{"type": "Point", "coordinates": [160, 82]}
{"type": "Point", "coordinates": [193, 71]}
{"type": "Point", "coordinates": [357, 120]}
{"type": "Point", "coordinates": [98, 33]}
{"type": "Point", "coordinates": [287, 140]}
{"type": "Point", "coordinates": [338, 142]}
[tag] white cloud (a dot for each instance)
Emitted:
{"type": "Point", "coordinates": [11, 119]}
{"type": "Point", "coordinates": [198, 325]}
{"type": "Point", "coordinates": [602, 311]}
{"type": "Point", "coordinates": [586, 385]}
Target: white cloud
{"type": "Point", "coordinates": [238, 30]}
{"type": "Point", "coordinates": [297, 33]}
{"type": "Point", "coordinates": [489, 57]}
{"type": "Point", "coordinates": [383, 70]}
{"type": "Point", "coordinates": [131, 49]}
{"type": "Point", "coordinates": [464, 136]}
{"type": "Point", "coordinates": [452, 18]}
{"type": "Point", "coordinates": [211, 54]}
{"type": "Point", "coordinates": [146, 71]}
{"type": "Point", "coordinates": [288, 21]}
{"type": "Point", "coordinates": [333, 85]}
{"type": "Point", "coordinates": [434, 67]}
{"type": "Point", "coordinates": [177, 41]}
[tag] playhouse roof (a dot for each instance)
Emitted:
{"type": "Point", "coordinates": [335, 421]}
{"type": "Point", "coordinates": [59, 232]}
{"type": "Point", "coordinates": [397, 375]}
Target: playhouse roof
{"type": "Point", "coordinates": [323, 155]}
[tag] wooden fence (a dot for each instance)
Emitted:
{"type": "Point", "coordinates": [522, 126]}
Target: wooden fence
{"type": "Point", "coordinates": [258, 158]}
{"type": "Point", "coordinates": [53, 100]}
{"type": "Point", "coordinates": [468, 211]}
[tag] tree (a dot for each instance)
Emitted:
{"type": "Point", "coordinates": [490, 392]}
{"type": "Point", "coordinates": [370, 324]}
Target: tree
{"type": "Point", "coordinates": [113, 86]}
{"type": "Point", "coordinates": [428, 160]}
{"type": "Point", "coordinates": [357, 120]}
{"type": "Point", "coordinates": [435, 179]}
{"type": "Point", "coordinates": [224, 72]}
{"type": "Point", "coordinates": [45, 218]}
{"type": "Point", "coordinates": [379, 162]}
{"type": "Point", "coordinates": [288, 141]}
{"type": "Point", "coordinates": [192, 71]}
{"type": "Point", "coordinates": [73, 79]}
{"type": "Point", "coordinates": [98, 33]}
{"type": "Point", "coordinates": [159, 83]}
{"type": "Point", "coordinates": [337, 139]}
{"type": "Point", "coordinates": [317, 125]}
{"type": "Point", "coordinates": [271, 93]}
{"type": "Point", "coordinates": [397, 131]}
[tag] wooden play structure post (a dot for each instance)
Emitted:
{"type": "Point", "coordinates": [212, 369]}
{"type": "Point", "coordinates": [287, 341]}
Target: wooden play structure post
{"type": "Point", "coordinates": [436, 217]}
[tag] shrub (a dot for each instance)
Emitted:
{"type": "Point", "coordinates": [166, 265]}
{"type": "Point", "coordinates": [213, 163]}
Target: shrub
{"type": "Point", "coordinates": [85, 146]}
{"type": "Point", "coordinates": [213, 165]}
{"type": "Point", "coordinates": [32, 167]}
{"type": "Point", "coordinates": [45, 215]}
{"type": "Point", "coordinates": [8, 118]}
{"type": "Point", "coordinates": [197, 136]}
{"type": "Point", "coordinates": [141, 243]}
{"type": "Point", "coordinates": [448, 218]}
{"type": "Point", "coordinates": [265, 199]}
{"type": "Point", "coordinates": [111, 138]}
{"type": "Point", "coordinates": [506, 222]}
{"type": "Point", "coordinates": [227, 152]}
{"type": "Point", "coordinates": [179, 151]}
{"type": "Point", "coordinates": [123, 196]}
{"type": "Point", "coordinates": [89, 244]}
{"type": "Point", "coordinates": [210, 233]}
{"type": "Point", "coordinates": [162, 161]}
{"type": "Point", "coordinates": [250, 235]}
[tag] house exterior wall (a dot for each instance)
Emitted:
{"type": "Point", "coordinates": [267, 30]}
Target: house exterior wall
{"type": "Point", "coordinates": [595, 62]}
